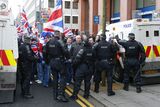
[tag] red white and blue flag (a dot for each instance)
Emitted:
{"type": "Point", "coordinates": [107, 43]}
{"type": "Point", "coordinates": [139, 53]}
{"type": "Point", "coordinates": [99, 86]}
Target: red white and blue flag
{"type": "Point", "coordinates": [67, 32]}
{"type": "Point", "coordinates": [22, 25]}
{"type": "Point", "coordinates": [55, 21]}
{"type": "Point", "coordinates": [24, 19]}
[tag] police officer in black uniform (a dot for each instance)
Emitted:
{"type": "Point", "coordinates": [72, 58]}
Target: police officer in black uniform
{"type": "Point", "coordinates": [134, 59]}
{"type": "Point", "coordinates": [26, 58]}
{"type": "Point", "coordinates": [105, 53]}
{"type": "Point", "coordinates": [84, 61]}
{"type": "Point", "coordinates": [56, 53]}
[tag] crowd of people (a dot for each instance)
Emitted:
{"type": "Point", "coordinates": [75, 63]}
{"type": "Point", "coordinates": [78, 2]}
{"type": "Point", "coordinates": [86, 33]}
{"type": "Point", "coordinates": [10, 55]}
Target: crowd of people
{"type": "Point", "coordinates": [74, 59]}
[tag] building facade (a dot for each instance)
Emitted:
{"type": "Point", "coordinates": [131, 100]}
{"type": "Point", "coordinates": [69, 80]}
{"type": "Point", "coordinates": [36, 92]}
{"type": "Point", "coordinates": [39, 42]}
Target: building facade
{"type": "Point", "coordinates": [70, 12]}
{"type": "Point", "coordinates": [116, 10]}
{"type": "Point", "coordinates": [32, 7]}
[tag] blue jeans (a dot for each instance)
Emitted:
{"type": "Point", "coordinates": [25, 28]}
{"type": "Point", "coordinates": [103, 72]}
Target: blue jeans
{"type": "Point", "coordinates": [46, 74]}
{"type": "Point", "coordinates": [69, 72]}
{"type": "Point", "coordinates": [40, 71]}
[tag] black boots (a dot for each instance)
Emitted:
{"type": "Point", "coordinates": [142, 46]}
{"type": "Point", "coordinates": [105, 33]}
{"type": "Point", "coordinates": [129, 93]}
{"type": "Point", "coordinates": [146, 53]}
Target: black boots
{"type": "Point", "coordinates": [28, 96]}
{"type": "Point", "coordinates": [61, 98]}
{"type": "Point", "coordinates": [96, 88]}
{"type": "Point", "coordinates": [138, 89]}
{"type": "Point", "coordinates": [126, 87]}
{"type": "Point", "coordinates": [86, 96]}
{"type": "Point", "coordinates": [74, 97]}
{"type": "Point", "coordinates": [111, 93]}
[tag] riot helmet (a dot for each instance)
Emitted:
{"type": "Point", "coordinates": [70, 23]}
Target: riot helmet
{"type": "Point", "coordinates": [27, 39]}
{"type": "Point", "coordinates": [131, 36]}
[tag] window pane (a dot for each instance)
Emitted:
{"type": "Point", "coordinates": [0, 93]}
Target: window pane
{"type": "Point", "coordinates": [149, 3]}
{"type": "Point", "coordinates": [139, 4]}
{"type": "Point", "coordinates": [51, 3]}
{"type": "Point", "coordinates": [156, 33]}
{"type": "Point", "coordinates": [147, 33]}
{"type": "Point", "coordinates": [75, 19]}
{"type": "Point", "coordinates": [67, 19]}
{"type": "Point", "coordinates": [75, 5]}
{"type": "Point", "coordinates": [116, 5]}
{"type": "Point", "coordinates": [67, 4]}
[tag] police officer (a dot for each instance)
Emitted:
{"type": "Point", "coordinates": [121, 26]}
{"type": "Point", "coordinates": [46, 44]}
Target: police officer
{"type": "Point", "coordinates": [26, 58]}
{"type": "Point", "coordinates": [84, 61]}
{"type": "Point", "coordinates": [134, 58]}
{"type": "Point", "coordinates": [56, 53]}
{"type": "Point", "coordinates": [105, 53]}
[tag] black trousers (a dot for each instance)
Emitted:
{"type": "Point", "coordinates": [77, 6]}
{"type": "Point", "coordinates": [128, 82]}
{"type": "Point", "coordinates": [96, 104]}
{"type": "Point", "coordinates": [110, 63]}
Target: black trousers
{"type": "Point", "coordinates": [83, 72]}
{"type": "Point", "coordinates": [26, 72]}
{"type": "Point", "coordinates": [134, 65]}
{"type": "Point", "coordinates": [108, 68]}
{"type": "Point", "coordinates": [58, 72]}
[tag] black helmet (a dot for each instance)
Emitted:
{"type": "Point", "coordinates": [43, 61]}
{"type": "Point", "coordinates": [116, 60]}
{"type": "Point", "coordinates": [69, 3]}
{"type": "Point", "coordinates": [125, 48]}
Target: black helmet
{"type": "Point", "coordinates": [27, 39]}
{"type": "Point", "coordinates": [131, 36]}
{"type": "Point", "coordinates": [103, 36]}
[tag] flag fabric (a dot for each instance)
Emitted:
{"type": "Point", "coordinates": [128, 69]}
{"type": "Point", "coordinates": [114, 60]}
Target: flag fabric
{"type": "Point", "coordinates": [67, 32]}
{"type": "Point", "coordinates": [24, 19]}
{"type": "Point", "coordinates": [22, 23]}
{"type": "Point", "coordinates": [55, 21]}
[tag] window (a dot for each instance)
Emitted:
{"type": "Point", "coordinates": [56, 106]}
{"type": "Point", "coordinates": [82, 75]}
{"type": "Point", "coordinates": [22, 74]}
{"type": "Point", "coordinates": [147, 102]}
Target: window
{"type": "Point", "coordinates": [75, 19]}
{"type": "Point", "coordinates": [51, 3]}
{"type": "Point", "coordinates": [156, 33]}
{"type": "Point", "coordinates": [67, 4]}
{"type": "Point", "coordinates": [75, 5]}
{"type": "Point", "coordinates": [116, 6]}
{"type": "Point", "coordinates": [145, 3]}
{"type": "Point", "coordinates": [149, 3]}
{"type": "Point", "coordinates": [147, 33]}
{"type": "Point", "coordinates": [67, 19]}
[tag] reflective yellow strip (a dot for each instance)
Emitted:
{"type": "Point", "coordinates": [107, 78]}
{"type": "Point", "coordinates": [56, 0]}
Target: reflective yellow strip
{"type": "Point", "coordinates": [78, 101]}
{"type": "Point", "coordinates": [158, 48]}
{"type": "Point", "coordinates": [10, 57]}
{"type": "Point", "coordinates": [1, 64]}
{"type": "Point", "coordinates": [81, 98]}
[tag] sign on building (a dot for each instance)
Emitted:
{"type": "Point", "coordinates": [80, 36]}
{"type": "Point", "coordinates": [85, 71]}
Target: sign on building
{"type": "Point", "coordinates": [96, 19]}
{"type": "Point", "coordinates": [45, 14]}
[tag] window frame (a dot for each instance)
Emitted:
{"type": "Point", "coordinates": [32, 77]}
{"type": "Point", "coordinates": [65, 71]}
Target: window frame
{"type": "Point", "coordinates": [65, 5]}
{"type": "Point", "coordinates": [67, 22]}
{"type": "Point", "coordinates": [73, 19]}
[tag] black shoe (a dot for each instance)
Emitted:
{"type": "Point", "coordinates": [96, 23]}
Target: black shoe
{"type": "Point", "coordinates": [96, 91]}
{"type": "Point", "coordinates": [111, 93]}
{"type": "Point", "coordinates": [74, 97]}
{"type": "Point", "coordinates": [138, 89]}
{"type": "Point", "coordinates": [28, 96]}
{"type": "Point", "coordinates": [126, 87]}
{"type": "Point", "coordinates": [62, 98]}
{"type": "Point", "coordinates": [96, 88]}
{"type": "Point", "coordinates": [86, 96]}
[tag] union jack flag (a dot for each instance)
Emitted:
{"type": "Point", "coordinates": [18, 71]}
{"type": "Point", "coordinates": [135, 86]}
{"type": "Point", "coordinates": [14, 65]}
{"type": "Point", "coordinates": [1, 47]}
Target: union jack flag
{"type": "Point", "coordinates": [24, 19]}
{"type": "Point", "coordinates": [67, 32]}
{"type": "Point", "coordinates": [55, 21]}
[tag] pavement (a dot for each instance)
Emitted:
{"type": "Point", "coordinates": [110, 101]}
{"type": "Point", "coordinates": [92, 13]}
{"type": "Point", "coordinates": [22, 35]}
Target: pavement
{"type": "Point", "coordinates": [43, 97]}
{"type": "Point", "coordinates": [150, 96]}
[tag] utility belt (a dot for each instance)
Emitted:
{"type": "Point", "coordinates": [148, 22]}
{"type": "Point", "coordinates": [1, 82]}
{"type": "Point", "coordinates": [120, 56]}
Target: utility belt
{"type": "Point", "coordinates": [110, 61]}
{"type": "Point", "coordinates": [131, 57]}
{"type": "Point", "coordinates": [58, 58]}
{"type": "Point", "coordinates": [87, 62]}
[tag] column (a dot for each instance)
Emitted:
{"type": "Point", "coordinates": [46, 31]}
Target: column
{"type": "Point", "coordinates": [158, 5]}
{"type": "Point", "coordinates": [125, 10]}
